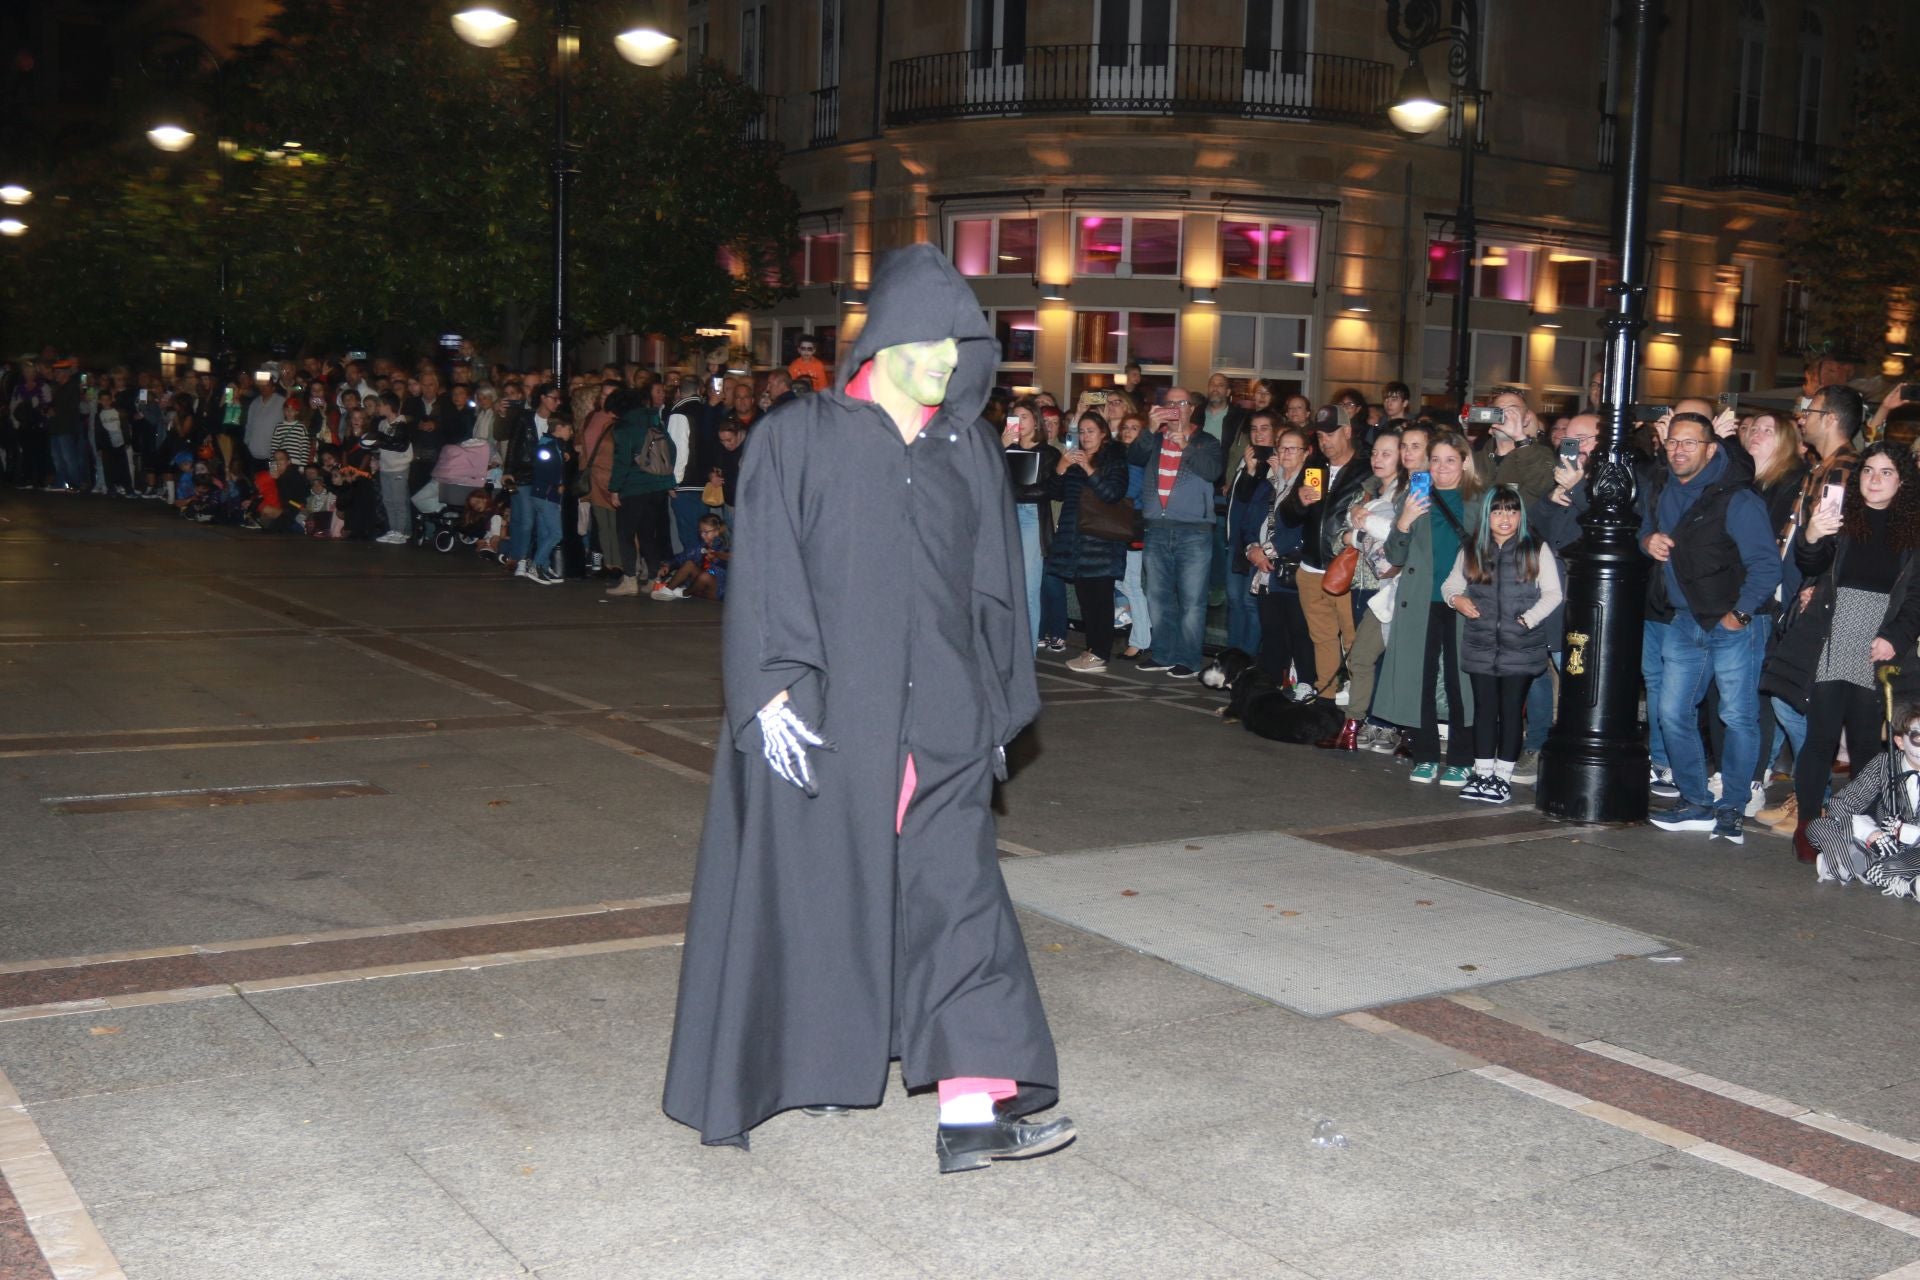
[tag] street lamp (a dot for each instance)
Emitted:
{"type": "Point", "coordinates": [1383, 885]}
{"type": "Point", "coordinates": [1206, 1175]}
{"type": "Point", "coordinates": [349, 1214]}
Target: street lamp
{"type": "Point", "coordinates": [173, 137]}
{"type": "Point", "coordinates": [12, 227]}
{"type": "Point", "coordinates": [14, 193]}
{"type": "Point", "coordinates": [1416, 110]}
{"type": "Point", "coordinates": [487, 25]}
{"type": "Point", "coordinates": [1593, 767]}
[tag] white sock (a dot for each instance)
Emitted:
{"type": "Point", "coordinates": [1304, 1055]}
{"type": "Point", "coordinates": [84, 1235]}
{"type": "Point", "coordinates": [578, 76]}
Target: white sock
{"type": "Point", "coordinates": [1504, 768]}
{"type": "Point", "coordinates": [968, 1108]}
{"type": "Point", "coordinates": [1484, 768]}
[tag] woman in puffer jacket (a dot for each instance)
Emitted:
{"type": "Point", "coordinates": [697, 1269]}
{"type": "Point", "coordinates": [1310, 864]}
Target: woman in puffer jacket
{"type": "Point", "coordinates": [1505, 583]}
{"type": "Point", "coordinates": [1094, 464]}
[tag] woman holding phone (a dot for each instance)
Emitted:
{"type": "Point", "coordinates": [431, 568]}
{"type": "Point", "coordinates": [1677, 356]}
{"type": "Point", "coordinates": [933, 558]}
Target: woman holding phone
{"type": "Point", "coordinates": [1247, 502]}
{"type": "Point", "coordinates": [1273, 560]}
{"type": "Point", "coordinates": [1858, 610]}
{"type": "Point", "coordinates": [1365, 526]}
{"type": "Point", "coordinates": [1030, 461]}
{"type": "Point", "coordinates": [1094, 464]}
{"type": "Point", "coordinates": [1423, 642]}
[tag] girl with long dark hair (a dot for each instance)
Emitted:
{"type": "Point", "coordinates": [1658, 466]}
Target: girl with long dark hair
{"type": "Point", "coordinates": [1858, 611]}
{"type": "Point", "coordinates": [1505, 583]}
{"type": "Point", "coordinates": [1092, 464]}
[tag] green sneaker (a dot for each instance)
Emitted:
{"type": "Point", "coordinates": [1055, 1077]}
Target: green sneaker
{"type": "Point", "coordinates": [1456, 776]}
{"type": "Point", "coordinates": [1425, 772]}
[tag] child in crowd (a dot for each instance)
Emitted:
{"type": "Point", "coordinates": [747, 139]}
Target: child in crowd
{"type": "Point", "coordinates": [700, 571]}
{"type": "Point", "coordinates": [1872, 829]}
{"type": "Point", "coordinates": [1505, 583]}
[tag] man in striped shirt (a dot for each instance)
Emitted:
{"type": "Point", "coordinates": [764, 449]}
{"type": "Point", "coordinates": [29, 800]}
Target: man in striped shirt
{"type": "Point", "coordinates": [1185, 464]}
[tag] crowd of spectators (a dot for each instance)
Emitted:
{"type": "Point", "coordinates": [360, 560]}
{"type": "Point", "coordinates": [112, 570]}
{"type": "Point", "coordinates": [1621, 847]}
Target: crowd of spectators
{"type": "Point", "coordinates": [1398, 563]}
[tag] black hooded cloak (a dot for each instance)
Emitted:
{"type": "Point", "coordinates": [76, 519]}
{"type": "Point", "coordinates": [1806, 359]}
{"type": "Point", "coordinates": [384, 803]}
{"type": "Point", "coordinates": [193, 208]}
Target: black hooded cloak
{"type": "Point", "coordinates": [881, 584]}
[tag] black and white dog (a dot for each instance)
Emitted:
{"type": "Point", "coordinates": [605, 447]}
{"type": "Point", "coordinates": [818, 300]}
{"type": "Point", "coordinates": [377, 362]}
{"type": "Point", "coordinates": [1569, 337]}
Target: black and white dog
{"type": "Point", "coordinates": [1262, 707]}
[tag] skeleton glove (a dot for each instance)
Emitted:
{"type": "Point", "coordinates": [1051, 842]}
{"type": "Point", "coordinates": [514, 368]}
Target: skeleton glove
{"type": "Point", "coordinates": [785, 738]}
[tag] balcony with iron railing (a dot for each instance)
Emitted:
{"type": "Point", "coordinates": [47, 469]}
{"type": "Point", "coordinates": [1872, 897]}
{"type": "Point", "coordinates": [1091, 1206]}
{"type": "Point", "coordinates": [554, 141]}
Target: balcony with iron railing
{"type": "Point", "coordinates": [1746, 317]}
{"type": "Point", "coordinates": [1139, 79]}
{"type": "Point", "coordinates": [1765, 162]}
{"type": "Point", "coordinates": [826, 117]}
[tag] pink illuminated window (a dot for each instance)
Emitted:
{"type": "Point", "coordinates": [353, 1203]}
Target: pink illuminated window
{"type": "Point", "coordinates": [1102, 245]}
{"type": "Point", "coordinates": [1281, 251]}
{"type": "Point", "coordinates": [1506, 272]}
{"type": "Point", "coordinates": [973, 246]}
{"type": "Point", "coordinates": [1241, 246]}
{"type": "Point", "coordinates": [1443, 267]}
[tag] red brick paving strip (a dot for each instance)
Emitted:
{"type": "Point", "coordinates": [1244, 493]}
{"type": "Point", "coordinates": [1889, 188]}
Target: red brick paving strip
{"type": "Point", "coordinates": [250, 735]}
{"type": "Point", "coordinates": [1864, 1171]}
{"type": "Point", "coordinates": [20, 1256]}
{"type": "Point", "coordinates": [252, 964]}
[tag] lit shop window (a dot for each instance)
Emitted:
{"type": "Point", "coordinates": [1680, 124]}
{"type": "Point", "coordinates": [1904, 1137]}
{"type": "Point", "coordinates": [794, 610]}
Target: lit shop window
{"type": "Point", "coordinates": [1267, 251]}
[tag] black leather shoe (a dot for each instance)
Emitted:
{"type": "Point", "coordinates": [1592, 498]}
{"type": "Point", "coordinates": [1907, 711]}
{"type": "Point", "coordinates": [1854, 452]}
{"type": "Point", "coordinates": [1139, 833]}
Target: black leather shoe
{"type": "Point", "coordinates": [974, 1146]}
{"type": "Point", "coordinates": [827, 1111]}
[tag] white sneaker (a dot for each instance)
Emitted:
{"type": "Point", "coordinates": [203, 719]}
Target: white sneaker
{"type": "Point", "coordinates": [1087, 663]}
{"type": "Point", "coordinates": [546, 577]}
{"type": "Point", "coordinates": [392, 539]}
{"type": "Point", "coordinates": [1340, 698]}
{"type": "Point", "coordinates": [1756, 800]}
{"type": "Point", "coordinates": [668, 593]}
{"type": "Point", "coordinates": [1714, 785]}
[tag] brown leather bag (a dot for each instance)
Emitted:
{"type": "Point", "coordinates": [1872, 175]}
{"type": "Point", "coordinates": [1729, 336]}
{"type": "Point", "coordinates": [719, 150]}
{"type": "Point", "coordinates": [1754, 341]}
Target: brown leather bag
{"type": "Point", "coordinates": [1109, 521]}
{"type": "Point", "coordinates": [1338, 579]}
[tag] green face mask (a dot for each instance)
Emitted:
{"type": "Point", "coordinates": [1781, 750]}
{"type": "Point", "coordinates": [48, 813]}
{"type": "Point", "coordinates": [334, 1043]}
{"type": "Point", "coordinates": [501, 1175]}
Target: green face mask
{"type": "Point", "coordinates": [921, 370]}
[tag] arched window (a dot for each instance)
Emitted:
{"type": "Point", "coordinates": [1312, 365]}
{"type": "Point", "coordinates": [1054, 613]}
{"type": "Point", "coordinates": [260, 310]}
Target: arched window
{"type": "Point", "coordinates": [1813, 59]}
{"type": "Point", "coordinates": [1750, 87]}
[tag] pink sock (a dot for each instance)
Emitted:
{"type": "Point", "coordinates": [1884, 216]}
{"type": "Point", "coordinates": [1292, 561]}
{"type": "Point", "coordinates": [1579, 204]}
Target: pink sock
{"type": "Point", "coordinates": [907, 783]}
{"type": "Point", "coordinates": [959, 1085]}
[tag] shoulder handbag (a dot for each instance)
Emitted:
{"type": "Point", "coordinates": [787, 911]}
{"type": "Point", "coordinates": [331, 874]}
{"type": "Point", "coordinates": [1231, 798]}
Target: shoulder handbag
{"type": "Point", "coordinates": [1108, 521]}
{"type": "Point", "coordinates": [583, 481]}
{"type": "Point", "coordinates": [1338, 579]}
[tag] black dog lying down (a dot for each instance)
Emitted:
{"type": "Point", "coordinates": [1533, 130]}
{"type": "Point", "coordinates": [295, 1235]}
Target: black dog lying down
{"type": "Point", "coordinates": [1262, 707]}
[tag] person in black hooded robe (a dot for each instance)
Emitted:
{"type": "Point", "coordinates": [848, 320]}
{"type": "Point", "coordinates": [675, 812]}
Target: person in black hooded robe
{"type": "Point", "coordinates": [848, 907]}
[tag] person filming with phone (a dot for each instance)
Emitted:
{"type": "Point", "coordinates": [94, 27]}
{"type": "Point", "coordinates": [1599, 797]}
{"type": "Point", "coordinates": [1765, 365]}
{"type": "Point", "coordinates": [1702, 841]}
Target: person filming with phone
{"type": "Point", "coordinates": [1183, 464]}
{"type": "Point", "coordinates": [1860, 610]}
{"type": "Point", "coordinates": [1331, 478]}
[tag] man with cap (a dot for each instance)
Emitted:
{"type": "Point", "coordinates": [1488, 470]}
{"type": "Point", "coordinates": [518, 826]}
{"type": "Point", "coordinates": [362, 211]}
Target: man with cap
{"type": "Point", "coordinates": [1315, 510]}
{"type": "Point", "coordinates": [848, 908]}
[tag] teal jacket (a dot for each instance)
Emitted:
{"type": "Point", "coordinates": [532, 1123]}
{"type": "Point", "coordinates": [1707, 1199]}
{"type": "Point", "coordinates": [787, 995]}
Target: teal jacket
{"type": "Point", "coordinates": [629, 437]}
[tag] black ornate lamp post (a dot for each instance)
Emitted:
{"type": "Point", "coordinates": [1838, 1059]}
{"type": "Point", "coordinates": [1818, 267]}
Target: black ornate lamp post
{"type": "Point", "coordinates": [488, 25]}
{"type": "Point", "coordinates": [1594, 765]}
{"type": "Point", "coordinates": [172, 134]}
{"type": "Point", "coordinates": [1414, 26]}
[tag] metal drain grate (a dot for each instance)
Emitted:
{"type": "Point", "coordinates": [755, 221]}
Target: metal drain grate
{"type": "Point", "coordinates": [1311, 928]}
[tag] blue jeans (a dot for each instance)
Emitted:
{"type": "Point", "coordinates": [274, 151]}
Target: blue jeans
{"type": "Point", "coordinates": [687, 510]}
{"type": "Point", "coordinates": [546, 530]}
{"type": "Point", "coordinates": [1243, 614]}
{"type": "Point", "coordinates": [1691, 659]}
{"type": "Point", "coordinates": [1789, 724]}
{"type": "Point", "coordinates": [1053, 607]}
{"type": "Point", "coordinates": [1133, 589]}
{"type": "Point", "coordinates": [1540, 706]}
{"type": "Point", "coordinates": [1653, 642]}
{"type": "Point", "coordinates": [1179, 558]}
{"type": "Point", "coordinates": [69, 460]}
{"type": "Point", "coordinates": [1028, 514]}
{"type": "Point", "coordinates": [519, 525]}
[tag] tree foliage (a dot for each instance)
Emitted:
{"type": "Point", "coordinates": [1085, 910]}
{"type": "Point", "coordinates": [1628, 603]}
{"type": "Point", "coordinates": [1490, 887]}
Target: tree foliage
{"type": "Point", "coordinates": [419, 197]}
{"type": "Point", "coordinates": [1857, 243]}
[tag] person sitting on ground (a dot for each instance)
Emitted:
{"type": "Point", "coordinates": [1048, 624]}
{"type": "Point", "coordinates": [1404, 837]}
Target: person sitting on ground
{"type": "Point", "coordinates": [701, 571]}
{"type": "Point", "coordinates": [1872, 829]}
{"type": "Point", "coordinates": [282, 494]}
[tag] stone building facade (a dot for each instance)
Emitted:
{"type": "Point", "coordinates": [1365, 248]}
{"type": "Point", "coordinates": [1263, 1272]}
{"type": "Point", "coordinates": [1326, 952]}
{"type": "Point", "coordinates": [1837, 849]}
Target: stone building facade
{"type": "Point", "coordinates": [1208, 185]}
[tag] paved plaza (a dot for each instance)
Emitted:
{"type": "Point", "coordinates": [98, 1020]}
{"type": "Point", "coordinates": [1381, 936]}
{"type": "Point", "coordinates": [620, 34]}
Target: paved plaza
{"type": "Point", "coordinates": [341, 889]}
